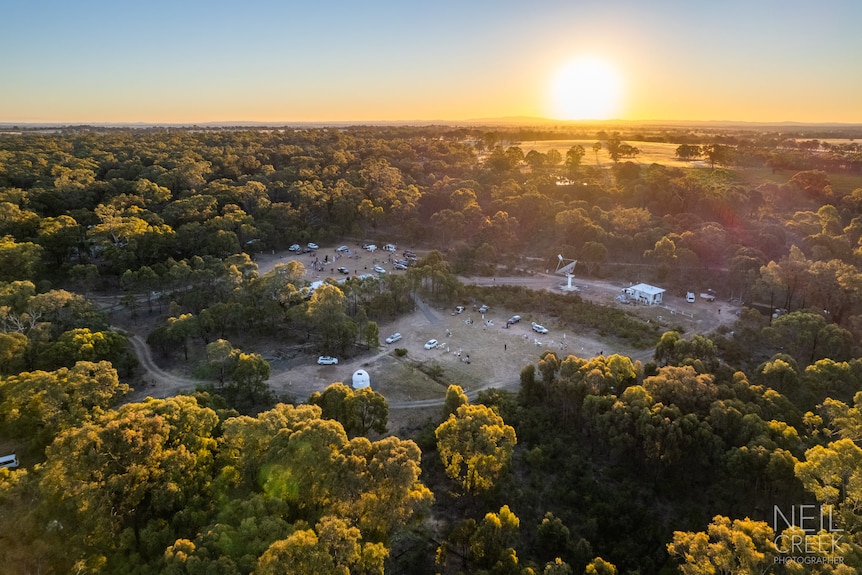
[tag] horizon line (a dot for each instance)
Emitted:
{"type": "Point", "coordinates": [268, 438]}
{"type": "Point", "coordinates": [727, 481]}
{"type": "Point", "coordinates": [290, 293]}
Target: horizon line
{"type": "Point", "coordinates": [504, 120]}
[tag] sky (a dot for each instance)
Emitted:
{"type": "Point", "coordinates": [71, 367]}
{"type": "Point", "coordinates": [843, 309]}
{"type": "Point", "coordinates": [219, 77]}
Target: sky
{"type": "Point", "coordinates": [282, 61]}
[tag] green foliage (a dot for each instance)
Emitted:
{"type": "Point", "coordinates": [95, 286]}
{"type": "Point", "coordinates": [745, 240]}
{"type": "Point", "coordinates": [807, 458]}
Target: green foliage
{"type": "Point", "coordinates": [37, 406]}
{"type": "Point", "coordinates": [359, 411]}
{"type": "Point", "coordinates": [738, 546]}
{"type": "Point", "coordinates": [241, 376]}
{"type": "Point", "coordinates": [147, 463]}
{"type": "Point", "coordinates": [455, 398]}
{"type": "Point", "coordinates": [475, 445]}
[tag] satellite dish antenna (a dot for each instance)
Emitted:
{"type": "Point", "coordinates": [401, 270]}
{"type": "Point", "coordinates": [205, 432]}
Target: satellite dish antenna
{"type": "Point", "coordinates": [566, 269]}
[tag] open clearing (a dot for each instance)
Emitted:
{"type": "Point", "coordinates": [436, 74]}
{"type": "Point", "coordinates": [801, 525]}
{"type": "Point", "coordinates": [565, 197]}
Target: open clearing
{"type": "Point", "coordinates": [418, 380]}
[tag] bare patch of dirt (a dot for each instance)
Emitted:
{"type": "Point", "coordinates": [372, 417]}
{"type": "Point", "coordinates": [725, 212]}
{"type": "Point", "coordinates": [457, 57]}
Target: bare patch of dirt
{"type": "Point", "coordinates": [476, 351]}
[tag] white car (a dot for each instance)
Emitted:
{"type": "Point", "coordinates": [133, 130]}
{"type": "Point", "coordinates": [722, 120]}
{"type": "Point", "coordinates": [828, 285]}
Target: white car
{"type": "Point", "coordinates": [294, 248]}
{"type": "Point", "coordinates": [393, 338]}
{"type": "Point", "coordinates": [312, 246]}
{"type": "Point", "coordinates": [431, 344]}
{"type": "Point", "coordinates": [483, 309]}
{"type": "Point", "coordinates": [379, 269]}
{"type": "Point", "coordinates": [342, 249]}
{"type": "Point", "coordinates": [513, 320]}
{"type": "Point", "coordinates": [539, 328]}
{"type": "Point", "coordinates": [327, 360]}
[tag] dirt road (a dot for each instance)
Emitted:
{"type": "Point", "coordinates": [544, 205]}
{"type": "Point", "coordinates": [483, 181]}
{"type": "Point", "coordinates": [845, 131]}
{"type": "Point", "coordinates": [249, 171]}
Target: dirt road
{"type": "Point", "coordinates": [475, 350]}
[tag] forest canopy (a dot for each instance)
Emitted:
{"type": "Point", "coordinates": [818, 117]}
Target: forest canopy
{"type": "Point", "coordinates": [598, 464]}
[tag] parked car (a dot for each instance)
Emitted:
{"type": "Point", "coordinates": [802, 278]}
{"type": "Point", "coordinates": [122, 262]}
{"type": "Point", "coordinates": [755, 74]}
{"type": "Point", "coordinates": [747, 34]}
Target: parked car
{"type": "Point", "coordinates": [431, 344]}
{"type": "Point", "coordinates": [513, 320]}
{"type": "Point", "coordinates": [689, 297]}
{"type": "Point", "coordinates": [379, 269]}
{"type": "Point", "coordinates": [327, 360]}
{"type": "Point", "coordinates": [342, 249]}
{"type": "Point", "coordinates": [483, 309]}
{"type": "Point", "coordinates": [459, 309]}
{"type": "Point", "coordinates": [344, 270]}
{"type": "Point", "coordinates": [399, 266]}
{"type": "Point", "coordinates": [312, 246]}
{"type": "Point", "coordinates": [393, 338]}
{"type": "Point", "coordinates": [539, 328]}
{"type": "Point", "coordinates": [295, 248]}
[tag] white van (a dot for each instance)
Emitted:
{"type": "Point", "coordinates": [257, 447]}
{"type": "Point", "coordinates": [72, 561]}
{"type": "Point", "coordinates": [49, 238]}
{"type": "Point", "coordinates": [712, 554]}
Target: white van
{"type": "Point", "coordinates": [689, 297]}
{"type": "Point", "coordinates": [9, 461]}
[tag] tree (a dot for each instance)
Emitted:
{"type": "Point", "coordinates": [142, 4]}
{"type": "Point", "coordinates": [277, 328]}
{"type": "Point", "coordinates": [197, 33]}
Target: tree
{"type": "Point", "coordinates": [366, 410]}
{"type": "Point", "coordinates": [809, 337]}
{"type": "Point", "coordinates": [18, 261]}
{"type": "Point", "coordinates": [59, 237]}
{"type": "Point", "coordinates": [687, 152]}
{"type": "Point", "coordinates": [599, 566]}
{"type": "Point", "coordinates": [13, 347]}
{"type": "Point", "coordinates": [119, 484]}
{"type": "Point", "coordinates": [455, 398]}
{"type": "Point", "coordinates": [36, 406]}
{"type": "Point", "coordinates": [738, 546]}
{"type": "Point", "coordinates": [718, 154]}
{"type": "Point", "coordinates": [815, 183]}
{"type": "Point", "coordinates": [664, 253]}
{"type": "Point", "coordinates": [332, 548]}
{"type": "Point", "coordinates": [491, 546]}
{"type": "Point", "coordinates": [83, 344]}
{"type": "Point", "coordinates": [475, 445]}
{"type": "Point", "coordinates": [248, 377]}
{"type": "Point", "coordinates": [613, 145]}
{"type": "Point", "coordinates": [683, 387]}
{"type": "Point", "coordinates": [573, 158]}
{"type": "Point", "coordinates": [593, 254]}
{"type": "Point", "coordinates": [359, 411]}
{"type": "Point", "coordinates": [372, 335]}
{"type": "Point", "coordinates": [535, 159]}
{"type": "Point", "coordinates": [327, 312]}
{"type": "Point", "coordinates": [597, 147]}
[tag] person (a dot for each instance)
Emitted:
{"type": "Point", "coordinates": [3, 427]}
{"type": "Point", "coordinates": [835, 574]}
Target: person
{"type": "Point", "coordinates": [504, 347]}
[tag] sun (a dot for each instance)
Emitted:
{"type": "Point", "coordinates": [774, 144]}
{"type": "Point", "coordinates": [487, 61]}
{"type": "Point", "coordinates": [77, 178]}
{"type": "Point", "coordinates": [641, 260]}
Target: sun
{"type": "Point", "coordinates": [587, 88]}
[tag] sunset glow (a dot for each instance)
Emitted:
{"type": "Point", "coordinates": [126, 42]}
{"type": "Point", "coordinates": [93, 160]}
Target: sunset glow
{"type": "Point", "coordinates": [337, 61]}
{"type": "Point", "coordinates": [587, 88]}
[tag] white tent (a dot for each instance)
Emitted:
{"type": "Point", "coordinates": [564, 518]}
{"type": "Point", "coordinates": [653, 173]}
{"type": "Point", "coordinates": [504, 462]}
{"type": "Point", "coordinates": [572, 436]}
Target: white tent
{"type": "Point", "coordinates": [361, 379]}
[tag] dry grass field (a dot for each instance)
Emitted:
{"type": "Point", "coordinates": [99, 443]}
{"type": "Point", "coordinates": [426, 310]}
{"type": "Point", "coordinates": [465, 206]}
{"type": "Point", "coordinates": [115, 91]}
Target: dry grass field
{"type": "Point", "coordinates": [650, 152]}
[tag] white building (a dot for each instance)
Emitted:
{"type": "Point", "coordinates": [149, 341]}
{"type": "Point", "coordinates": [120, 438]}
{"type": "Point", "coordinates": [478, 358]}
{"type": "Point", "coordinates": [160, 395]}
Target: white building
{"type": "Point", "coordinates": [361, 379]}
{"type": "Point", "coordinates": [645, 293]}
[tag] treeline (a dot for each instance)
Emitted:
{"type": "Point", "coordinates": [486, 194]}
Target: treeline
{"type": "Point", "coordinates": [123, 200]}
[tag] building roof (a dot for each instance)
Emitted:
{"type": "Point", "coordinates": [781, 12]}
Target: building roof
{"type": "Point", "coordinates": [646, 288]}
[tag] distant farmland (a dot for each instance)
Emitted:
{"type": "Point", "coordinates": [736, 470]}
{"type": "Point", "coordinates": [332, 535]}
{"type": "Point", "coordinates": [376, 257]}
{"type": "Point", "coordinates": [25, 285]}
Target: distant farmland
{"type": "Point", "coordinates": [650, 152]}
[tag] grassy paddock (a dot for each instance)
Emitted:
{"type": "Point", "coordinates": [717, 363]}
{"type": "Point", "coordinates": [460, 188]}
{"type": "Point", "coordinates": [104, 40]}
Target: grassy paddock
{"type": "Point", "coordinates": [650, 152]}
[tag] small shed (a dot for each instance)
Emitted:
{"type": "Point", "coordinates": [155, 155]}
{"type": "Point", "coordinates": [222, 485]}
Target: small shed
{"type": "Point", "coordinates": [645, 293]}
{"type": "Point", "coordinates": [361, 379]}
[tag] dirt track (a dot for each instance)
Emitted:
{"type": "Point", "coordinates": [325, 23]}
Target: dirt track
{"type": "Point", "coordinates": [496, 354]}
